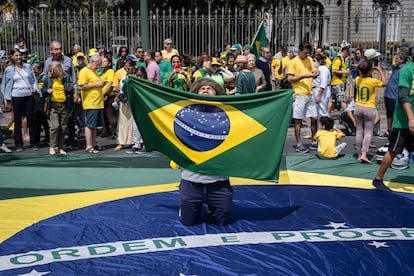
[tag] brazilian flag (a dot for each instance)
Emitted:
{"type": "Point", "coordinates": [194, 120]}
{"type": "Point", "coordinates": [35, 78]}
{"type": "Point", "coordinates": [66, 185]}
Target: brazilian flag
{"type": "Point", "coordinates": [238, 135]}
{"type": "Point", "coordinates": [260, 39]}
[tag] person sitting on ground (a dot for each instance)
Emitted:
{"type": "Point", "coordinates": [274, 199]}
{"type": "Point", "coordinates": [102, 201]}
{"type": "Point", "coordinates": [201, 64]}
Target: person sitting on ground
{"type": "Point", "coordinates": [326, 137]}
{"type": "Point", "coordinates": [196, 189]}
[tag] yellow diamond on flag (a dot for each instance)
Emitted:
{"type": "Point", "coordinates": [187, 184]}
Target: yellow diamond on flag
{"type": "Point", "coordinates": [241, 128]}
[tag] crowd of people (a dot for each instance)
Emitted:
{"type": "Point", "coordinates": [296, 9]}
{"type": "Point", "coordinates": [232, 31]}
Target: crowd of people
{"type": "Point", "coordinates": [73, 96]}
{"type": "Point", "coordinates": [68, 97]}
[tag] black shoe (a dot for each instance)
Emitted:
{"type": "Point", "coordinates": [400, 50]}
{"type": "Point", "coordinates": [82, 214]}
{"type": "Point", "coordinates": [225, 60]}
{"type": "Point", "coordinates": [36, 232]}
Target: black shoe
{"type": "Point", "coordinates": [379, 184]}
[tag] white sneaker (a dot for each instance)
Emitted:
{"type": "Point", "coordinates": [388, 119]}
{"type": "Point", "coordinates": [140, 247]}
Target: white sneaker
{"type": "Point", "coordinates": [5, 149]}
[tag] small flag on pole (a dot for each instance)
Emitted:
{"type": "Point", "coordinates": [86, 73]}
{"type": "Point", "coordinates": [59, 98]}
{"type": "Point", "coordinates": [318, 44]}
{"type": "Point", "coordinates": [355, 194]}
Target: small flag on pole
{"type": "Point", "coordinates": [260, 39]}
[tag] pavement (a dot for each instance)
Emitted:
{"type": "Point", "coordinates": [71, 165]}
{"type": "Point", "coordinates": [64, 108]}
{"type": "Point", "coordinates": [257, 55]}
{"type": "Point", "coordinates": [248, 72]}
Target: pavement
{"type": "Point", "coordinates": [107, 144]}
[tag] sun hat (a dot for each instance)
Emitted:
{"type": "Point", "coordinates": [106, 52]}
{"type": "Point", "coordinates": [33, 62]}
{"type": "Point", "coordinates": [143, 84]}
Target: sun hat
{"type": "Point", "coordinates": [206, 81]}
{"type": "Point", "coordinates": [80, 55]}
{"type": "Point", "coordinates": [240, 59]}
{"type": "Point", "coordinates": [92, 52]}
{"type": "Point", "coordinates": [371, 54]}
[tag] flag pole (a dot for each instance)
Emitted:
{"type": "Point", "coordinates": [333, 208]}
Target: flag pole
{"type": "Point", "coordinates": [257, 32]}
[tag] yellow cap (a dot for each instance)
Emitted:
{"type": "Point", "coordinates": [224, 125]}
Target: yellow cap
{"type": "Point", "coordinates": [93, 51]}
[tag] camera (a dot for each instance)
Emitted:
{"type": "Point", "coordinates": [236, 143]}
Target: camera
{"type": "Point", "coordinates": [376, 62]}
{"type": "Point", "coordinates": [122, 98]}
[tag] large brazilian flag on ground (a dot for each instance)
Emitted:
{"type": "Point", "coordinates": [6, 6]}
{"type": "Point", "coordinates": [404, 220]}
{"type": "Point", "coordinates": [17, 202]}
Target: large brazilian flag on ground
{"type": "Point", "coordinates": [238, 135]}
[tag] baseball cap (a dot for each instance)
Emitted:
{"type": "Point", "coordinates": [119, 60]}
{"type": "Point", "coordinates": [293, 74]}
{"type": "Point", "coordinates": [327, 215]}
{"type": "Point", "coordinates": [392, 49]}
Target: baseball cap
{"type": "Point", "coordinates": [235, 47]}
{"type": "Point", "coordinates": [215, 61]}
{"type": "Point", "coordinates": [131, 57]}
{"type": "Point", "coordinates": [100, 46]}
{"type": "Point", "coordinates": [371, 54]}
{"type": "Point", "coordinates": [248, 47]}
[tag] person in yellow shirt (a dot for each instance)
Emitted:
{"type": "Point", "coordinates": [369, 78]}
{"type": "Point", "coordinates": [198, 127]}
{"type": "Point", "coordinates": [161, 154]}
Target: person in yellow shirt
{"type": "Point", "coordinates": [339, 74]}
{"type": "Point", "coordinates": [57, 85]}
{"type": "Point", "coordinates": [77, 53]}
{"type": "Point", "coordinates": [92, 100]}
{"type": "Point", "coordinates": [169, 51]}
{"type": "Point", "coordinates": [110, 114]}
{"type": "Point", "coordinates": [301, 71]}
{"type": "Point", "coordinates": [366, 108]}
{"type": "Point", "coordinates": [277, 67]}
{"type": "Point", "coordinates": [326, 138]}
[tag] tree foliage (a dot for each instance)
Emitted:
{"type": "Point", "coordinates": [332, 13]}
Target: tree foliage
{"type": "Point", "coordinates": [23, 6]}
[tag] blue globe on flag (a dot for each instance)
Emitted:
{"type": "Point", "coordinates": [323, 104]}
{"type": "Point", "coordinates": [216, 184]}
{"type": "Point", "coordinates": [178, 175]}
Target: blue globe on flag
{"type": "Point", "coordinates": [201, 127]}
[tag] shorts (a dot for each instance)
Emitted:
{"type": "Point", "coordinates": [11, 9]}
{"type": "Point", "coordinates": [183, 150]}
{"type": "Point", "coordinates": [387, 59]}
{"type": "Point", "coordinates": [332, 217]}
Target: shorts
{"type": "Point", "coordinates": [338, 93]}
{"type": "Point", "coordinates": [304, 107]}
{"type": "Point", "coordinates": [400, 138]}
{"type": "Point", "coordinates": [218, 196]}
{"type": "Point", "coordinates": [390, 106]}
{"type": "Point", "coordinates": [93, 118]}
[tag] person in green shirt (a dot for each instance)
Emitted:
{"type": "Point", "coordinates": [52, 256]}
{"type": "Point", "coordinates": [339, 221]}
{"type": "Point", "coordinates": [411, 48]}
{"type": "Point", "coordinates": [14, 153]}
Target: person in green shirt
{"type": "Point", "coordinates": [165, 67]}
{"type": "Point", "coordinates": [402, 134]}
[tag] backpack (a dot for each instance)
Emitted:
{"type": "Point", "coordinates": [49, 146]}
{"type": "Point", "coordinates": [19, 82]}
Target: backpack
{"type": "Point", "coordinates": [338, 75]}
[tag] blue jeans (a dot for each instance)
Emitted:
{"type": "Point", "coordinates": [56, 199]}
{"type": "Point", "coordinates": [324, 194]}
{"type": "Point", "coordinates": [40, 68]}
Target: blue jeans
{"type": "Point", "coordinates": [23, 106]}
{"type": "Point", "coordinates": [218, 196]}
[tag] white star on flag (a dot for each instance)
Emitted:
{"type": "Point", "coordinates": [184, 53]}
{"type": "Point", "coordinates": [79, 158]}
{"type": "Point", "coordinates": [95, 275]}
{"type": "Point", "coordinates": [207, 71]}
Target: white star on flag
{"type": "Point", "coordinates": [379, 244]}
{"type": "Point", "coordinates": [34, 273]}
{"type": "Point", "coordinates": [336, 225]}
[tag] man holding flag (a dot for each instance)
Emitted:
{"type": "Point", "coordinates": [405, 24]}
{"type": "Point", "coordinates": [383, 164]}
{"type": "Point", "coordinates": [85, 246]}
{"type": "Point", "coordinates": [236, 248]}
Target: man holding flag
{"type": "Point", "coordinates": [195, 188]}
{"type": "Point", "coordinates": [212, 138]}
